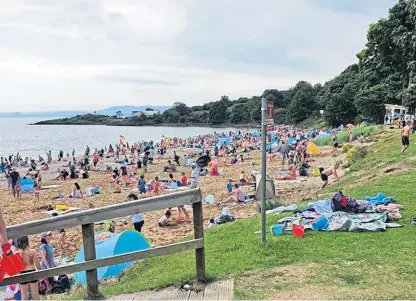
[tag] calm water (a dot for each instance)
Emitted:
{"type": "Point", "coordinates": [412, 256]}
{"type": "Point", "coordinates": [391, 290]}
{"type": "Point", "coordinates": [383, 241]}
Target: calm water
{"type": "Point", "coordinates": [30, 140]}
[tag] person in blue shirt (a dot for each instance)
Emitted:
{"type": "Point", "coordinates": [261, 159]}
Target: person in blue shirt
{"type": "Point", "coordinates": [141, 185]}
{"type": "Point", "coordinates": [138, 218]}
{"type": "Point", "coordinates": [230, 186]}
{"type": "Point", "coordinates": [47, 251]}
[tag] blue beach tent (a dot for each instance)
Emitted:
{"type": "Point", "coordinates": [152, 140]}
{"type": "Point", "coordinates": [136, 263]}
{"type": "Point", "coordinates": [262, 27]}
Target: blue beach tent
{"type": "Point", "coordinates": [226, 140]}
{"type": "Point", "coordinates": [26, 185]}
{"type": "Point", "coordinates": [108, 244]}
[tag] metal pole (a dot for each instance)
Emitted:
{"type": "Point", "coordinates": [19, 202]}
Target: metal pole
{"type": "Point", "coordinates": [263, 169]}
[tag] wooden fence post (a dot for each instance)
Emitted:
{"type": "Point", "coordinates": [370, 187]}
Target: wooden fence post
{"type": "Point", "coordinates": [199, 233]}
{"type": "Point", "coordinates": [88, 237]}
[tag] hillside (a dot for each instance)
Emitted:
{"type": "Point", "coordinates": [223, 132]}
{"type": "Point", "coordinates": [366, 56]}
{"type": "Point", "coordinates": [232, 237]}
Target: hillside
{"type": "Point", "coordinates": [334, 265]}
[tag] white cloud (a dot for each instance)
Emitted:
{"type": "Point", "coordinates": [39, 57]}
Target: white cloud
{"type": "Point", "coordinates": [82, 54]}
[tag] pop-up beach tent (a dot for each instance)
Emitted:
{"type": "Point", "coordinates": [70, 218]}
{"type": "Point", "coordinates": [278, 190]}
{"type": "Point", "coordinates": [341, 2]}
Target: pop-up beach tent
{"type": "Point", "coordinates": [108, 244]}
{"type": "Point", "coordinates": [226, 140]}
{"type": "Point", "coordinates": [270, 188]}
{"type": "Point", "coordinates": [26, 185]}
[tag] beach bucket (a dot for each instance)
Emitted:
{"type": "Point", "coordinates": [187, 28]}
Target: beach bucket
{"type": "Point", "coordinates": [276, 229]}
{"type": "Point", "coordinates": [12, 264]}
{"type": "Point", "coordinates": [321, 223]}
{"type": "Point", "coordinates": [298, 230]}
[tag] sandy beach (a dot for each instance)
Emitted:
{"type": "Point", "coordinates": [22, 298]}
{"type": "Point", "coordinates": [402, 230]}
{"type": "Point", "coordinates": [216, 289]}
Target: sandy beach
{"type": "Point", "coordinates": [20, 211]}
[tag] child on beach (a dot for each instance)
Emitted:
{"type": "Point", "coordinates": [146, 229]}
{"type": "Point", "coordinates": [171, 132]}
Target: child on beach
{"type": "Point", "coordinates": [36, 187]}
{"type": "Point", "coordinates": [155, 186]}
{"type": "Point", "coordinates": [141, 185]}
{"type": "Point", "coordinates": [163, 221]}
{"type": "Point", "coordinates": [334, 143]}
{"type": "Point", "coordinates": [184, 179]}
{"type": "Point", "coordinates": [243, 179]}
{"type": "Point", "coordinates": [31, 263]}
{"type": "Point", "coordinates": [230, 187]}
{"type": "Point", "coordinates": [325, 173]}
{"type": "Point", "coordinates": [138, 218]}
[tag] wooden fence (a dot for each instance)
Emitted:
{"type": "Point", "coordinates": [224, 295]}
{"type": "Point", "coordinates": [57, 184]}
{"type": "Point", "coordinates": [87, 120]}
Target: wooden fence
{"type": "Point", "coordinates": [86, 220]}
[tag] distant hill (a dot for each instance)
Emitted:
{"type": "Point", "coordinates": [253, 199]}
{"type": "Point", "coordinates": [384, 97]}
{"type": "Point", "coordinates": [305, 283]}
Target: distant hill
{"type": "Point", "coordinates": [109, 111]}
{"type": "Point", "coordinates": [126, 110]}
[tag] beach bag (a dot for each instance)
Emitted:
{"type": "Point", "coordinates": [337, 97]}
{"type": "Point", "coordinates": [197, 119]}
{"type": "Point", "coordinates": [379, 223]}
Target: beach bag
{"type": "Point", "coordinates": [43, 288]}
{"type": "Point", "coordinates": [339, 202]}
{"type": "Point", "coordinates": [96, 190]}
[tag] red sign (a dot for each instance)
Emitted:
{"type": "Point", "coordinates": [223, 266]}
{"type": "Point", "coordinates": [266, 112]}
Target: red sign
{"type": "Point", "coordinates": [270, 117]}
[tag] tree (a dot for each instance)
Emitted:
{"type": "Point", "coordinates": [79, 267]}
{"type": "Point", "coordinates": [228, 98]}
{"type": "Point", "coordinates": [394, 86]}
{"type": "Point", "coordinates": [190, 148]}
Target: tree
{"type": "Point", "coordinates": [255, 110]}
{"type": "Point", "coordinates": [280, 116]}
{"type": "Point", "coordinates": [218, 113]}
{"type": "Point", "coordinates": [303, 103]}
{"type": "Point", "coordinates": [182, 108]}
{"type": "Point", "coordinates": [239, 114]}
{"type": "Point", "coordinates": [340, 109]}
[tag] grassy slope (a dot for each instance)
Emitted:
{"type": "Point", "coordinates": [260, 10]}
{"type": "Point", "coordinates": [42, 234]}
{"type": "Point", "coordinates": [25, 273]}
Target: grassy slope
{"type": "Point", "coordinates": [321, 265]}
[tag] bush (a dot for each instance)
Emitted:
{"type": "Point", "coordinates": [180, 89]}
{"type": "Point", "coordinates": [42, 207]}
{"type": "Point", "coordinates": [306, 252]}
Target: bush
{"type": "Point", "coordinates": [359, 154]}
{"type": "Point", "coordinates": [350, 153]}
{"type": "Point", "coordinates": [346, 147]}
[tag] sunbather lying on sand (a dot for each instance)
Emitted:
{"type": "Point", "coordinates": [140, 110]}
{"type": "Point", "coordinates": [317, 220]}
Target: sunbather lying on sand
{"type": "Point", "coordinates": [290, 176]}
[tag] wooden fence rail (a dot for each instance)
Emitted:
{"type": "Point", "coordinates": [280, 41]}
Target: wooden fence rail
{"type": "Point", "coordinates": [87, 218]}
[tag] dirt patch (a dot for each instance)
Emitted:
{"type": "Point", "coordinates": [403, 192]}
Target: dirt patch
{"type": "Point", "coordinates": [263, 284]}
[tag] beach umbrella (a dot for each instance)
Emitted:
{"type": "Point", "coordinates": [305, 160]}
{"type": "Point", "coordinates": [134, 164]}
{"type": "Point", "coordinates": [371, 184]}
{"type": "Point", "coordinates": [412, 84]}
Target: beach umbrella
{"type": "Point", "coordinates": [284, 148]}
{"type": "Point", "coordinates": [203, 161]}
{"type": "Point", "coordinates": [193, 150]}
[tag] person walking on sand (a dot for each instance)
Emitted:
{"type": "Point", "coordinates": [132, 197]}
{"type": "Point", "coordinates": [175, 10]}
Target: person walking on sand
{"type": "Point", "coordinates": [328, 172]}
{"type": "Point", "coordinates": [405, 136]}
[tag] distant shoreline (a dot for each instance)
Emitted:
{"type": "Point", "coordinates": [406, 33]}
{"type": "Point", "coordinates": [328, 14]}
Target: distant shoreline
{"type": "Point", "coordinates": [219, 126]}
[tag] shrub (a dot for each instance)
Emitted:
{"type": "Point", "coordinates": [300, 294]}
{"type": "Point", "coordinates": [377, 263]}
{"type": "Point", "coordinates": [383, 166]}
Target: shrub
{"type": "Point", "coordinates": [359, 154]}
{"type": "Point", "coordinates": [350, 153]}
{"type": "Point", "coordinates": [346, 147]}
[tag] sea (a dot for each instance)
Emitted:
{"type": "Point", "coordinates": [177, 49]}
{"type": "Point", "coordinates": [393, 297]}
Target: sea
{"type": "Point", "coordinates": [18, 136]}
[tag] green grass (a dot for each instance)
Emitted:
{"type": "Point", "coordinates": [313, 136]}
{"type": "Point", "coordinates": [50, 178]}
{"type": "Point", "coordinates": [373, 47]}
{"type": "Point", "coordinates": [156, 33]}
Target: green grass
{"type": "Point", "coordinates": [321, 265]}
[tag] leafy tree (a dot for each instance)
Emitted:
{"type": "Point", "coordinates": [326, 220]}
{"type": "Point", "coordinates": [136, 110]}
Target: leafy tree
{"type": "Point", "coordinates": [280, 116]}
{"type": "Point", "coordinates": [239, 114]}
{"type": "Point", "coordinates": [181, 108]}
{"type": "Point", "coordinates": [303, 103]}
{"type": "Point", "coordinates": [218, 113]}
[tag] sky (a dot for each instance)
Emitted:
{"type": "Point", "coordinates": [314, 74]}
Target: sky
{"type": "Point", "coordinates": [92, 54]}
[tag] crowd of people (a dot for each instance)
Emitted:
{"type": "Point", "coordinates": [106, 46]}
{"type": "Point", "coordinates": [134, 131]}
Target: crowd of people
{"type": "Point", "coordinates": [288, 143]}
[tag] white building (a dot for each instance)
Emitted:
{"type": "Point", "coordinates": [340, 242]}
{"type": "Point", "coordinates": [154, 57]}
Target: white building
{"type": "Point", "coordinates": [393, 112]}
{"type": "Point", "coordinates": [147, 113]}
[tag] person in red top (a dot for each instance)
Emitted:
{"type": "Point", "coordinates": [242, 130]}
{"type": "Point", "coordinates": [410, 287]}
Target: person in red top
{"type": "Point", "coordinates": [184, 180]}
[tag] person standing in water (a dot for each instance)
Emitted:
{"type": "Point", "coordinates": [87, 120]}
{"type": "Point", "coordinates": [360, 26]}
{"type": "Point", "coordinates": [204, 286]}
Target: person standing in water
{"type": "Point", "coordinates": [405, 133]}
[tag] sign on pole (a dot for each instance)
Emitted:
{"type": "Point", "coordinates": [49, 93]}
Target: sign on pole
{"type": "Point", "coordinates": [264, 117]}
{"type": "Point", "coordinates": [270, 115]}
